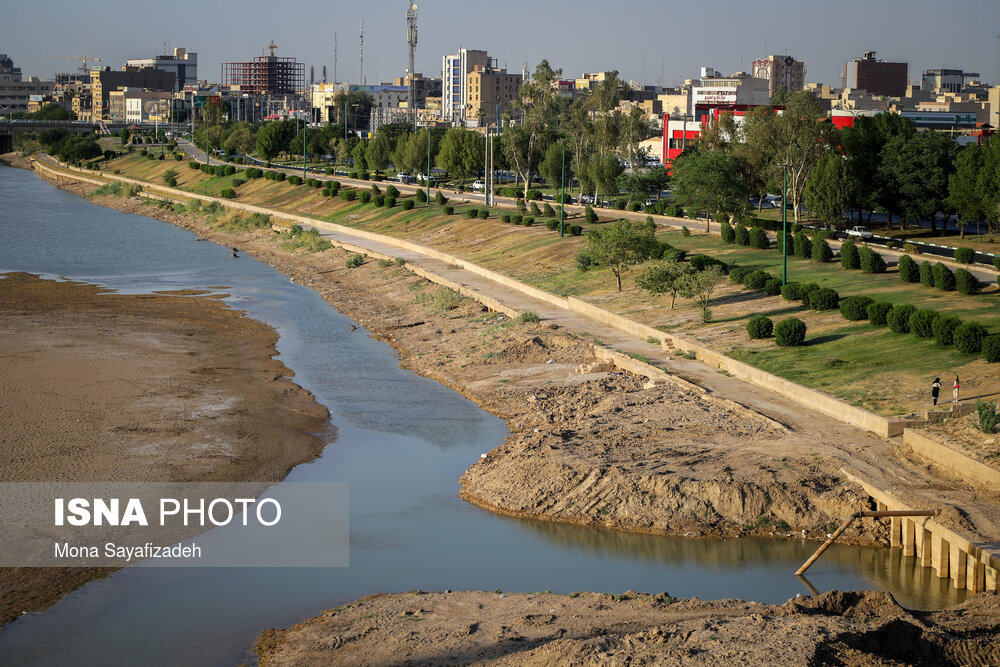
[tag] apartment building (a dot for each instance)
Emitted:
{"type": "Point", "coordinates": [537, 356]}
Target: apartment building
{"type": "Point", "coordinates": [490, 93]}
{"type": "Point", "coordinates": [455, 71]}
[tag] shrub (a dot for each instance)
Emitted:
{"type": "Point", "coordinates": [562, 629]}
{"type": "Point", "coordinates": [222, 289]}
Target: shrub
{"type": "Point", "coordinates": [389, 201]}
{"type": "Point", "coordinates": [871, 261]}
{"type": "Point", "coordinates": [898, 318]}
{"type": "Point", "coordinates": [590, 215]}
{"type": "Point", "coordinates": [759, 239]}
{"type": "Point", "coordinates": [772, 287]}
{"type": "Point", "coordinates": [535, 195]}
{"type": "Point", "coordinates": [728, 233]}
{"type": "Point", "coordinates": [944, 279]}
{"type": "Point", "coordinates": [926, 274]}
{"type": "Point", "coordinates": [911, 248]}
{"type": "Point", "coordinates": [349, 195]}
{"type": "Point", "coordinates": [909, 272]}
{"type": "Point", "coordinates": [194, 165]}
{"type": "Point", "coordinates": [996, 262]}
{"type": "Point", "coordinates": [521, 206]}
{"type": "Point", "coordinates": [421, 197]}
{"type": "Point", "coordinates": [634, 206]}
{"type": "Point", "coordinates": [685, 232]}
{"type": "Point", "coordinates": [328, 171]}
{"type": "Point", "coordinates": [379, 200]}
{"type": "Point", "coordinates": [576, 230]}
{"type": "Point", "coordinates": [505, 217]}
{"type": "Point", "coordinates": [313, 183]}
{"type": "Point", "coordinates": [964, 255]}
{"type": "Point", "coordinates": [968, 338]}
{"type": "Point", "coordinates": [528, 221]}
{"type": "Point", "coordinates": [534, 209]}
{"type": "Point", "coordinates": [228, 193]}
{"type": "Point", "coordinates": [943, 329]}
{"type": "Point", "coordinates": [675, 253]}
{"type": "Point", "coordinates": [279, 175]}
{"type": "Point", "coordinates": [966, 283]}
{"type": "Point", "coordinates": [849, 258]}
{"type": "Point", "coordinates": [987, 416]}
{"type": "Point", "coordinates": [471, 213]}
{"type": "Point", "coordinates": [922, 322]}
{"type": "Point", "coordinates": [440, 199]}
{"type": "Point", "coordinates": [551, 224]}
{"type": "Point", "coordinates": [333, 187]}
{"type": "Point", "coordinates": [742, 235]}
{"type": "Point", "coordinates": [376, 190]}
{"type": "Point", "coordinates": [821, 251]}
{"type": "Point", "coordinates": [365, 197]}
{"type": "Point", "coordinates": [738, 273]}
{"type": "Point", "coordinates": [485, 213]}
{"type": "Point", "coordinates": [855, 308]}
{"type": "Point", "coordinates": [408, 204]}
{"type": "Point", "coordinates": [991, 348]}
{"type": "Point", "coordinates": [701, 262]}
{"type": "Point", "coordinates": [791, 292]}
{"type": "Point", "coordinates": [549, 211]}
{"type": "Point", "coordinates": [823, 299]}
{"type": "Point", "coordinates": [802, 245]}
{"type": "Point", "coordinates": [228, 170]}
{"type": "Point", "coordinates": [878, 313]}
{"type": "Point", "coordinates": [760, 326]}
{"type": "Point", "coordinates": [448, 210]}
{"type": "Point", "coordinates": [354, 261]}
{"type": "Point", "coordinates": [295, 180]}
{"type": "Point", "coordinates": [583, 261]}
{"type": "Point", "coordinates": [621, 203]}
{"type": "Point", "coordinates": [757, 280]}
{"type": "Point", "coordinates": [788, 246]}
{"type": "Point", "coordinates": [391, 191]}
{"type": "Point", "coordinates": [790, 332]}
{"type": "Point", "coordinates": [517, 219]}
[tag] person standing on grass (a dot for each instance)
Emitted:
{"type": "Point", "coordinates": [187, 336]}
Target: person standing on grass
{"type": "Point", "coordinates": [954, 391]}
{"type": "Point", "coordinates": [935, 389]}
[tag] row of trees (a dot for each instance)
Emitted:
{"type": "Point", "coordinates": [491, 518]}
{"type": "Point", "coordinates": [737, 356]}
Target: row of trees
{"type": "Point", "coordinates": [881, 164]}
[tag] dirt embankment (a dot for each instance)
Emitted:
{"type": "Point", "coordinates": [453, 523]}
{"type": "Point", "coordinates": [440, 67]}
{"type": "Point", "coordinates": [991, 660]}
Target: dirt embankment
{"type": "Point", "coordinates": [100, 386]}
{"type": "Point", "coordinates": [529, 629]}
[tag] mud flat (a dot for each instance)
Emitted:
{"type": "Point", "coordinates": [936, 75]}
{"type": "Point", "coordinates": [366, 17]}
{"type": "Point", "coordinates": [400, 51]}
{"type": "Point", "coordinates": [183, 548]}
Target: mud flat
{"type": "Point", "coordinates": [100, 386]}
{"type": "Point", "coordinates": [527, 629]}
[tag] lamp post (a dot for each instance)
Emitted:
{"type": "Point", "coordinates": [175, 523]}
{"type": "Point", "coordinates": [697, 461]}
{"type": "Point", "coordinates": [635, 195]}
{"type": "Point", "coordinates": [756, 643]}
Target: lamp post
{"type": "Point", "coordinates": [427, 173]}
{"type": "Point", "coordinates": [562, 195]}
{"type": "Point", "coordinates": [784, 225]}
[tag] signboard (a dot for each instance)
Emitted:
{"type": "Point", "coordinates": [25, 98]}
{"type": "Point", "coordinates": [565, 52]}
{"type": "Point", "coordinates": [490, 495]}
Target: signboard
{"type": "Point", "coordinates": [940, 118]}
{"type": "Point", "coordinates": [199, 101]}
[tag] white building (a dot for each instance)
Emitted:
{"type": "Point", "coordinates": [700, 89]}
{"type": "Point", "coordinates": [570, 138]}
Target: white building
{"type": "Point", "coordinates": [455, 71]}
{"type": "Point", "coordinates": [184, 65]}
{"type": "Point", "coordinates": [716, 90]}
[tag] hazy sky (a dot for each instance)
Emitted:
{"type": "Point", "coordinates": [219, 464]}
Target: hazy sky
{"type": "Point", "coordinates": [648, 40]}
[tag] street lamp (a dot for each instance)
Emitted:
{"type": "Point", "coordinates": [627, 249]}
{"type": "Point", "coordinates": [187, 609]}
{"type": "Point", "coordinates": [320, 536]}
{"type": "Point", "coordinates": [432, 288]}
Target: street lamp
{"type": "Point", "coordinates": [562, 196]}
{"type": "Point", "coordinates": [784, 225]}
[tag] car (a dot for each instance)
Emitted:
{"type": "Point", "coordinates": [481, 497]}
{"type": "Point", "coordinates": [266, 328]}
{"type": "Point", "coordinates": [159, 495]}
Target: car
{"type": "Point", "coordinates": [860, 232]}
{"type": "Point", "coordinates": [586, 199]}
{"type": "Point", "coordinates": [403, 177]}
{"type": "Point", "coordinates": [478, 185]}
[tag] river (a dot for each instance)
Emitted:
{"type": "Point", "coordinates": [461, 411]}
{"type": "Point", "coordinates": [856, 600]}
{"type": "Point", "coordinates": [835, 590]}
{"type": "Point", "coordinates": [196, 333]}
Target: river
{"type": "Point", "coordinates": [402, 445]}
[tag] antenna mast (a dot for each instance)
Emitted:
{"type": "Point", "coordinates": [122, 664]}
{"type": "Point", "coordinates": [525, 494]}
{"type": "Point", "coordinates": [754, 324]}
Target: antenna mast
{"type": "Point", "coordinates": [335, 58]}
{"type": "Point", "coordinates": [361, 73]}
{"type": "Point", "coordinates": [411, 40]}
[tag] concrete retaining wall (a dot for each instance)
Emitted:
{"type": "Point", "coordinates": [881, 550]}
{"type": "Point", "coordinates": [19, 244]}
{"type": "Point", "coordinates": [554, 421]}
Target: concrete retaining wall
{"type": "Point", "coordinates": [967, 468]}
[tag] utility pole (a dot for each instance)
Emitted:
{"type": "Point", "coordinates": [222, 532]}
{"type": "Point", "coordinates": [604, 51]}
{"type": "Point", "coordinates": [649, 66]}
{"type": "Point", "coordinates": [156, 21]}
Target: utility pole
{"type": "Point", "coordinates": [335, 58]}
{"type": "Point", "coordinates": [411, 40]}
{"type": "Point", "coordinates": [361, 71]}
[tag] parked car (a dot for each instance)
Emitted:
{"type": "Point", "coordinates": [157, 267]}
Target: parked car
{"type": "Point", "coordinates": [586, 200]}
{"type": "Point", "coordinates": [478, 185]}
{"type": "Point", "coordinates": [860, 232]}
{"type": "Point", "coordinates": [403, 177]}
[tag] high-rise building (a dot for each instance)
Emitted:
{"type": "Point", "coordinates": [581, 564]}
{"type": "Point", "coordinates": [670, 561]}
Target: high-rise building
{"type": "Point", "coordinates": [265, 75]}
{"type": "Point", "coordinates": [15, 93]}
{"type": "Point", "coordinates": [780, 71]}
{"type": "Point", "coordinates": [103, 81]}
{"type": "Point", "coordinates": [184, 65]}
{"type": "Point", "coordinates": [946, 80]}
{"type": "Point", "coordinates": [455, 71]}
{"type": "Point", "coordinates": [878, 77]}
{"type": "Point", "coordinates": [490, 92]}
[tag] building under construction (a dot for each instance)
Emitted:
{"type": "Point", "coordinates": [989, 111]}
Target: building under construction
{"type": "Point", "coordinates": [266, 75]}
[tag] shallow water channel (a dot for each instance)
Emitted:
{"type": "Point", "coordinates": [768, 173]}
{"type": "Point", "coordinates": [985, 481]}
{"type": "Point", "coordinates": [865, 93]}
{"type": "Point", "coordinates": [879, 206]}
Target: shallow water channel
{"type": "Point", "coordinates": [403, 443]}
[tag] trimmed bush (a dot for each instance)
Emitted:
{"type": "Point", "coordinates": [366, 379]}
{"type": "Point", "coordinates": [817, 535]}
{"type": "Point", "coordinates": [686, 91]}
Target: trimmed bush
{"type": "Point", "coordinates": [849, 258]}
{"type": "Point", "coordinates": [376, 190]}
{"type": "Point", "coordinates": [535, 195]}
{"type": "Point", "coordinates": [823, 299]}
{"type": "Point", "coordinates": [789, 244]}
{"type": "Point", "coordinates": [349, 195]}
{"type": "Point", "coordinates": [685, 232]}
{"type": "Point", "coordinates": [898, 318]}
{"type": "Point", "coordinates": [440, 199]}
{"type": "Point", "coordinates": [391, 191]}
{"type": "Point", "coordinates": [228, 193]}
{"type": "Point", "coordinates": [471, 213]}
{"type": "Point", "coordinates": [728, 233]}
{"type": "Point", "coordinates": [194, 165]}
{"type": "Point", "coordinates": [991, 348]}
{"type": "Point", "coordinates": [943, 329]}
{"type": "Point", "coordinates": [742, 235]}
{"type": "Point", "coordinates": [421, 196]}
{"type": "Point", "coordinates": [517, 219]}
{"type": "Point", "coordinates": [389, 201]}
{"type": "Point", "coordinates": [996, 262]}
{"type": "Point", "coordinates": [448, 210]}
{"type": "Point", "coordinates": [408, 204]}
{"type": "Point", "coordinates": [535, 210]}
{"type": "Point", "coordinates": [366, 197]}
{"type": "Point", "coordinates": [621, 203]}
{"type": "Point", "coordinates": [295, 180]}
{"type": "Point", "coordinates": [878, 313]}
{"type": "Point", "coordinates": [791, 292]}
{"type": "Point", "coordinates": [760, 326]}
{"type": "Point", "coordinates": [821, 251]}
{"type": "Point", "coordinates": [485, 213]}
{"type": "Point", "coordinates": [801, 245]}
{"type": "Point", "coordinates": [505, 217]}
{"type": "Point", "coordinates": [701, 262]}
{"type": "Point", "coordinates": [871, 261]}
{"type": "Point", "coordinates": [922, 322]}
{"type": "Point", "coordinates": [758, 239]}
{"type": "Point", "coordinates": [968, 338]}
{"type": "Point", "coordinates": [926, 274]}
{"type": "Point", "coordinates": [909, 272]}
{"type": "Point", "coordinates": [944, 279]}
{"type": "Point", "coordinates": [772, 287]}
{"type": "Point", "coordinates": [790, 332]}
{"type": "Point", "coordinates": [737, 273]}
{"type": "Point", "coordinates": [590, 216]}
{"type": "Point", "coordinates": [551, 224]}
{"type": "Point", "coordinates": [966, 283]}
{"type": "Point", "coordinates": [576, 230]}
{"type": "Point", "coordinates": [379, 200]}
{"type": "Point", "coordinates": [756, 280]}
{"type": "Point", "coordinates": [855, 308]}
{"type": "Point", "coordinates": [675, 253]}
{"type": "Point", "coordinates": [964, 255]}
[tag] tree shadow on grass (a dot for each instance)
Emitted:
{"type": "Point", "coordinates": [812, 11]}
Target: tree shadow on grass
{"type": "Point", "coordinates": [825, 339]}
{"type": "Point", "coordinates": [788, 310]}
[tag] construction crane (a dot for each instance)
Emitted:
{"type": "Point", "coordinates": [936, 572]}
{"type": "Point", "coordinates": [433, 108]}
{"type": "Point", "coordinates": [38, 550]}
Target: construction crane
{"type": "Point", "coordinates": [272, 46]}
{"type": "Point", "coordinates": [83, 59]}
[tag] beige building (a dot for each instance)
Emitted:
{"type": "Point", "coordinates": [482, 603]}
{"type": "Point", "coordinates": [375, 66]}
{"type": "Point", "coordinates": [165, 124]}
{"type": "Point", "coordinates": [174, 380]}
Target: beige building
{"type": "Point", "coordinates": [994, 105]}
{"type": "Point", "coordinates": [133, 105]}
{"type": "Point", "coordinates": [103, 81]}
{"type": "Point", "coordinates": [780, 71]}
{"type": "Point", "coordinates": [490, 93]}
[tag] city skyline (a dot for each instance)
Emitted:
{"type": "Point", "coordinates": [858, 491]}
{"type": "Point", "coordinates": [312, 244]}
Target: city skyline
{"type": "Point", "coordinates": [573, 36]}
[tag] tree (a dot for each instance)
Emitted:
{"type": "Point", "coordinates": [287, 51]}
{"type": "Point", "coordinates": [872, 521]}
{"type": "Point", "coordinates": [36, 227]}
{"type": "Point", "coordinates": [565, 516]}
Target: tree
{"type": "Point", "coordinates": [989, 186]}
{"type": "Point", "coordinates": [378, 151]}
{"type": "Point", "coordinates": [358, 155]}
{"type": "Point", "coordinates": [359, 108]}
{"type": "Point", "coordinates": [273, 139]}
{"type": "Point", "coordinates": [699, 287]}
{"type": "Point", "coordinates": [644, 184]}
{"type": "Point", "coordinates": [964, 195]}
{"type": "Point", "coordinates": [551, 166]}
{"type": "Point", "coordinates": [414, 153]}
{"type": "Point", "coordinates": [242, 139]}
{"type": "Point", "coordinates": [462, 152]}
{"type": "Point", "coordinates": [802, 135]}
{"type": "Point", "coordinates": [539, 105]}
{"type": "Point", "coordinates": [663, 278]}
{"type": "Point", "coordinates": [709, 181]}
{"type": "Point", "coordinates": [918, 167]}
{"type": "Point", "coordinates": [620, 246]}
{"type": "Point", "coordinates": [828, 189]}
{"type": "Point", "coordinates": [864, 143]}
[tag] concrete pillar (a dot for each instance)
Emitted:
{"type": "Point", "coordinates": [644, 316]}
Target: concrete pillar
{"type": "Point", "coordinates": [991, 580]}
{"type": "Point", "coordinates": [894, 531]}
{"type": "Point", "coordinates": [924, 549]}
{"type": "Point", "coordinates": [939, 556]}
{"type": "Point", "coordinates": [909, 538]}
{"type": "Point", "coordinates": [977, 576]}
{"type": "Point", "coordinates": [958, 559]}
{"type": "Point", "coordinates": [881, 507]}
